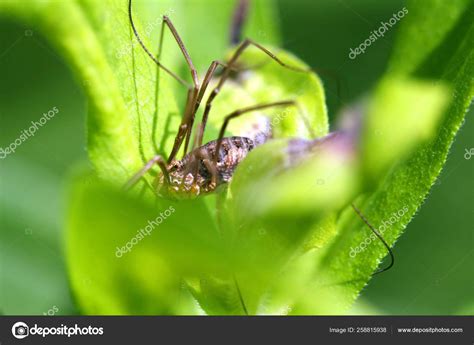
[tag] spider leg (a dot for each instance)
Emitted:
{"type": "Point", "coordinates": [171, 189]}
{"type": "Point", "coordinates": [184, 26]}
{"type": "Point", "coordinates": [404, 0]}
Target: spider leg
{"type": "Point", "coordinates": [380, 237]}
{"type": "Point", "coordinates": [195, 93]}
{"type": "Point", "coordinates": [210, 72]}
{"type": "Point", "coordinates": [186, 123]}
{"type": "Point", "coordinates": [159, 64]}
{"type": "Point", "coordinates": [155, 160]}
{"type": "Point", "coordinates": [243, 111]}
{"type": "Point", "coordinates": [167, 21]}
{"type": "Point", "coordinates": [225, 75]}
{"type": "Point", "coordinates": [208, 163]}
{"type": "Point", "coordinates": [238, 20]}
{"type": "Point", "coordinates": [190, 109]}
{"type": "Point", "coordinates": [192, 89]}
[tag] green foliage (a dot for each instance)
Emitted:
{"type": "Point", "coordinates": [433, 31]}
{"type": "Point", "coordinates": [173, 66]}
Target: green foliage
{"type": "Point", "coordinates": [110, 135]}
{"type": "Point", "coordinates": [411, 114]}
{"type": "Point", "coordinates": [280, 239]}
{"type": "Point", "coordinates": [421, 52]}
{"type": "Point", "coordinates": [128, 256]}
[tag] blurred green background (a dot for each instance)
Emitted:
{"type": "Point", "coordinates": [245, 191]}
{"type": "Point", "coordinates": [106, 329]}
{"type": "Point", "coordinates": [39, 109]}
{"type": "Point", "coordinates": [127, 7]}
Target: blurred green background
{"type": "Point", "coordinates": [433, 273]}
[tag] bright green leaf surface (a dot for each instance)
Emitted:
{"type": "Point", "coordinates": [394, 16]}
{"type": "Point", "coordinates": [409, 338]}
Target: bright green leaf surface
{"type": "Point", "coordinates": [402, 115]}
{"type": "Point", "coordinates": [129, 257]}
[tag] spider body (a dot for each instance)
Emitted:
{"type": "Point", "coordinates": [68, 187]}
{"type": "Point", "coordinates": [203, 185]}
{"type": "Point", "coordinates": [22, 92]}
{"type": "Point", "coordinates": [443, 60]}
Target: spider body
{"type": "Point", "coordinates": [197, 174]}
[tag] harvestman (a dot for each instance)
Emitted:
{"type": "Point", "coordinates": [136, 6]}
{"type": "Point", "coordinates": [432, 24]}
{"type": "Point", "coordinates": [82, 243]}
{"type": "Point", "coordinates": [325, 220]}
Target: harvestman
{"type": "Point", "coordinates": [205, 167]}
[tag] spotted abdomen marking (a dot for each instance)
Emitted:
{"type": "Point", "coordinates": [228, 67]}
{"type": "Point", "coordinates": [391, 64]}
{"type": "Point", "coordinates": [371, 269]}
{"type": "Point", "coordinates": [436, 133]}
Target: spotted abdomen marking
{"type": "Point", "coordinates": [232, 151]}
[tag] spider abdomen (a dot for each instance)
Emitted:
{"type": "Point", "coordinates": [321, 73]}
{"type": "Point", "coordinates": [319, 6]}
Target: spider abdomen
{"type": "Point", "coordinates": [193, 175]}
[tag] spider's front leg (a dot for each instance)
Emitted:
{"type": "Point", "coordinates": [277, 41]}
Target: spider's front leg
{"type": "Point", "coordinates": [155, 160]}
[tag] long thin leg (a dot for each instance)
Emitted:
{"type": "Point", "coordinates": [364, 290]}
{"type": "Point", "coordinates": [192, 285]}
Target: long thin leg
{"type": "Point", "coordinates": [192, 90]}
{"type": "Point", "coordinates": [337, 80]}
{"type": "Point", "coordinates": [155, 160]}
{"type": "Point", "coordinates": [210, 72]}
{"type": "Point", "coordinates": [238, 52]}
{"type": "Point", "coordinates": [207, 78]}
{"type": "Point", "coordinates": [241, 112]}
{"type": "Point", "coordinates": [186, 123]}
{"type": "Point", "coordinates": [174, 32]}
{"type": "Point", "coordinates": [241, 298]}
{"type": "Point", "coordinates": [157, 91]}
{"type": "Point", "coordinates": [392, 257]}
{"type": "Point", "coordinates": [238, 21]}
{"type": "Point", "coordinates": [135, 32]}
{"type": "Point", "coordinates": [196, 96]}
{"type": "Point", "coordinates": [189, 115]}
{"type": "Point", "coordinates": [161, 40]}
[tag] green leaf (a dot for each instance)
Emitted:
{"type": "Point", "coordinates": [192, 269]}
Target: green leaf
{"type": "Point", "coordinates": [111, 145]}
{"type": "Point", "coordinates": [296, 178]}
{"type": "Point", "coordinates": [428, 47]}
{"type": "Point", "coordinates": [277, 210]}
{"type": "Point", "coordinates": [127, 256]}
{"type": "Point", "coordinates": [435, 34]}
{"type": "Point", "coordinates": [411, 114]}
